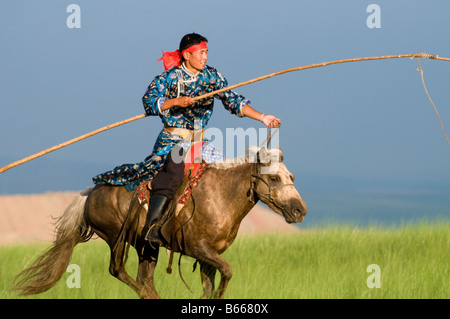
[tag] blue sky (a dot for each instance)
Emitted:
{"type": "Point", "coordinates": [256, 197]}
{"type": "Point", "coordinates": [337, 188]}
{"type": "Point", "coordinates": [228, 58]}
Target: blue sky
{"type": "Point", "coordinates": [369, 122]}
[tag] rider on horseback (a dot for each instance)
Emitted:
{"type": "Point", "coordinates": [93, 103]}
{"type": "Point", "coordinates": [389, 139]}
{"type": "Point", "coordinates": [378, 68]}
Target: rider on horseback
{"type": "Point", "coordinates": [170, 96]}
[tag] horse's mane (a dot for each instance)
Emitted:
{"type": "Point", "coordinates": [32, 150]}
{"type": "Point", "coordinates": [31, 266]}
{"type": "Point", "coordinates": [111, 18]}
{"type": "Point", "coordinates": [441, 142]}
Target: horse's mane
{"type": "Point", "coordinates": [252, 153]}
{"type": "Point", "coordinates": [227, 163]}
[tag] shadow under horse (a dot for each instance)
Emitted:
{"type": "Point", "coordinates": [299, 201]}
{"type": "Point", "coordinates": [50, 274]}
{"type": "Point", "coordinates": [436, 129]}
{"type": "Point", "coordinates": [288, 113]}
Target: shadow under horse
{"type": "Point", "coordinates": [202, 229]}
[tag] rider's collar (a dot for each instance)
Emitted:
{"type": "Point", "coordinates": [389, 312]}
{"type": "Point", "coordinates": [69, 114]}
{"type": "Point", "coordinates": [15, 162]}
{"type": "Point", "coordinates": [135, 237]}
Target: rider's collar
{"type": "Point", "coordinates": [189, 72]}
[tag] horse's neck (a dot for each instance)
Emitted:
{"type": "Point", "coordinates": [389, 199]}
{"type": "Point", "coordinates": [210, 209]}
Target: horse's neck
{"type": "Point", "coordinates": [236, 183]}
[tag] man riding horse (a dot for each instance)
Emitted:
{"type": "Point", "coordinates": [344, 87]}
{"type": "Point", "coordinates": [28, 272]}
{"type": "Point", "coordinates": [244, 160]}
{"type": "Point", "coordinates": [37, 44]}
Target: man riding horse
{"type": "Point", "coordinates": [170, 96]}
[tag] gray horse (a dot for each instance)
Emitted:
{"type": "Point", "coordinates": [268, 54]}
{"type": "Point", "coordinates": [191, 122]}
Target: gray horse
{"type": "Point", "coordinates": [203, 228]}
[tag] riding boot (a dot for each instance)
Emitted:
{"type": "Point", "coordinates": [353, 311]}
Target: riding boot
{"type": "Point", "coordinates": [158, 205]}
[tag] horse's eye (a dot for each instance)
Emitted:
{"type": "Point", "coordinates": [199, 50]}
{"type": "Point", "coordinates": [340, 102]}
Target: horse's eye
{"type": "Point", "coordinates": [274, 178]}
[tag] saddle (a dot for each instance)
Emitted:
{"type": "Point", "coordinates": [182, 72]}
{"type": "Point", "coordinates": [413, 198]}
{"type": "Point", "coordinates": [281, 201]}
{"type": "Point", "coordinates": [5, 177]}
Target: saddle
{"type": "Point", "coordinates": [194, 168]}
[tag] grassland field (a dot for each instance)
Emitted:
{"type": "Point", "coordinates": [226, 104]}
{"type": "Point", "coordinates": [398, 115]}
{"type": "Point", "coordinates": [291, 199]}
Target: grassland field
{"type": "Point", "coordinates": [329, 262]}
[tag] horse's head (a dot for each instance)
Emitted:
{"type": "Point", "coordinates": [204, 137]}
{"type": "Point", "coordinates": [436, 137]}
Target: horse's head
{"type": "Point", "coordinates": [273, 184]}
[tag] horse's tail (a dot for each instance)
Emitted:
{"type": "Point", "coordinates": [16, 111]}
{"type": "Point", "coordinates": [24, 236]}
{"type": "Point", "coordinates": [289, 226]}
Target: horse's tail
{"type": "Point", "coordinates": [46, 270]}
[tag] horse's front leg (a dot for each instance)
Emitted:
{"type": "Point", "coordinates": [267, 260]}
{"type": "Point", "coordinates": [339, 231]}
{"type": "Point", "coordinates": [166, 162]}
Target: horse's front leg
{"type": "Point", "coordinates": [208, 255]}
{"type": "Point", "coordinates": [225, 271]}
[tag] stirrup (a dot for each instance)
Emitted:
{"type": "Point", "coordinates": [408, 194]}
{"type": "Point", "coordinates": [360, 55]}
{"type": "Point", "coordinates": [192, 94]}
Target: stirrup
{"type": "Point", "coordinates": [146, 232]}
{"type": "Point", "coordinates": [152, 236]}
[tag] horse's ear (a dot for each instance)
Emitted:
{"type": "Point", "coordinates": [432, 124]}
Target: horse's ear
{"type": "Point", "coordinates": [280, 154]}
{"type": "Point", "coordinates": [252, 154]}
{"type": "Point", "coordinates": [263, 155]}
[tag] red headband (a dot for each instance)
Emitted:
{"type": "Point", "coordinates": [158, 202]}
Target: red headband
{"type": "Point", "coordinates": [171, 59]}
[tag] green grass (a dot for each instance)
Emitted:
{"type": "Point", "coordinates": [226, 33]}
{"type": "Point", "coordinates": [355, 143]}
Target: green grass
{"type": "Point", "coordinates": [319, 263]}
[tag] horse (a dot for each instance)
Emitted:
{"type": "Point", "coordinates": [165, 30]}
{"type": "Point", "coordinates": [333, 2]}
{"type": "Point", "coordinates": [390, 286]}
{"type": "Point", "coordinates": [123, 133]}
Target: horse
{"type": "Point", "coordinates": [203, 228]}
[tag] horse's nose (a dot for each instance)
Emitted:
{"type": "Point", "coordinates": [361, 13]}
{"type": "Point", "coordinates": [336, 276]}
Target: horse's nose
{"type": "Point", "coordinates": [299, 211]}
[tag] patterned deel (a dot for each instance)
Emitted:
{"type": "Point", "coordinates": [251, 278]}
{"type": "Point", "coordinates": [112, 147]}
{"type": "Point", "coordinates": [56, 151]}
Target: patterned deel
{"type": "Point", "coordinates": [176, 82]}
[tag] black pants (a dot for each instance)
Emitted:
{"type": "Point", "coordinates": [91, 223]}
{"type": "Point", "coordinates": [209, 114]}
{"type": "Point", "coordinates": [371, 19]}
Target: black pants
{"type": "Point", "coordinates": [167, 181]}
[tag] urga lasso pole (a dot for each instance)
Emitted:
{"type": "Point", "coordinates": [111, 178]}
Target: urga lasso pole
{"type": "Point", "coordinates": [300, 68]}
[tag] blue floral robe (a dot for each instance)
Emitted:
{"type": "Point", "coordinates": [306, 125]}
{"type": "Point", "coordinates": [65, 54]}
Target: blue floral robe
{"type": "Point", "coordinates": [176, 82]}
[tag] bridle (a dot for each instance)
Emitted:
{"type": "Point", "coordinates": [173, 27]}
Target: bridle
{"type": "Point", "coordinates": [257, 176]}
{"type": "Point", "coordinates": [253, 190]}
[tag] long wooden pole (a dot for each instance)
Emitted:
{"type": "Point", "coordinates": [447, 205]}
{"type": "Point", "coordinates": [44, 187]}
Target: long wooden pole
{"type": "Point", "coordinates": [300, 68]}
{"type": "Point", "coordinates": [77, 139]}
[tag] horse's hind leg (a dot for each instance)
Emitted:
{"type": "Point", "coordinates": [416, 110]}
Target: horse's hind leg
{"type": "Point", "coordinates": [148, 258]}
{"type": "Point", "coordinates": [207, 273]}
{"type": "Point", "coordinates": [117, 269]}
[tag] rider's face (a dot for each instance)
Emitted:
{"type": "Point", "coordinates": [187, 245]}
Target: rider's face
{"type": "Point", "coordinates": [196, 61]}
